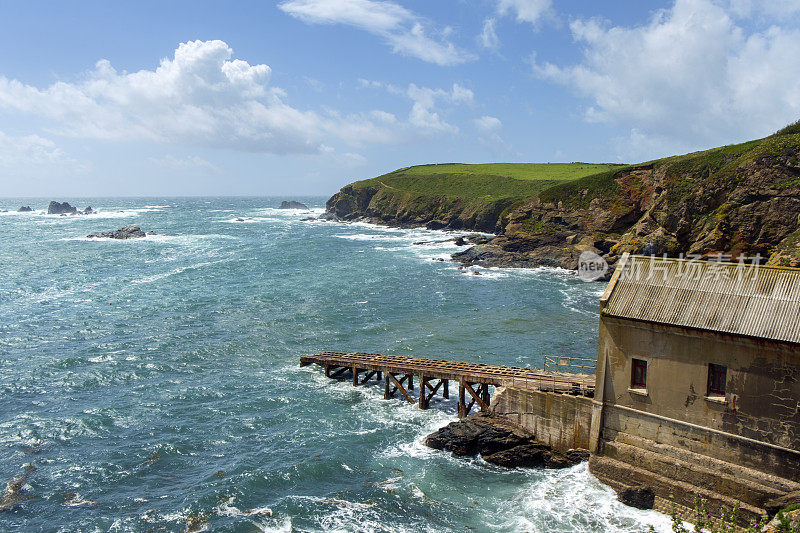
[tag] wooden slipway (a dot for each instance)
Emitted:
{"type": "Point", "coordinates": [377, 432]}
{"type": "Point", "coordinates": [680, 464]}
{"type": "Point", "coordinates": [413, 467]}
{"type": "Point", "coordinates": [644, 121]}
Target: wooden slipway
{"type": "Point", "coordinates": [398, 374]}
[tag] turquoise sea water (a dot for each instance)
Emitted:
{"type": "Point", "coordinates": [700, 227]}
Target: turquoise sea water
{"type": "Point", "coordinates": [154, 383]}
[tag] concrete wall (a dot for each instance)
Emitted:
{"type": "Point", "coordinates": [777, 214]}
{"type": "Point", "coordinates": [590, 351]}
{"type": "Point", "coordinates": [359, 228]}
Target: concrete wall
{"type": "Point", "coordinates": [762, 400]}
{"type": "Point", "coordinates": [743, 447]}
{"type": "Point", "coordinates": [561, 421]}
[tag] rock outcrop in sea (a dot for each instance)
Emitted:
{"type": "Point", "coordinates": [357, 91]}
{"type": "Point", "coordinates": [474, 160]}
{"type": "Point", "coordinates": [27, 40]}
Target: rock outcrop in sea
{"type": "Point", "coordinates": [501, 442]}
{"type": "Point", "coordinates": [291, 204]}
{"type": "Point", "coordinates": [127, 232]}
{"type": "Point", "coordinates": [25, 209]}
{"type": "Point", "coordinates": [61, 208]}
{"type": "Point", "coordinates": [15, 494]}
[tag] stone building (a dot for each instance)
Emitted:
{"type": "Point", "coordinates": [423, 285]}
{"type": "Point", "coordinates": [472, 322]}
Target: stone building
{"type": "Point", "coordinates": [698, 382]}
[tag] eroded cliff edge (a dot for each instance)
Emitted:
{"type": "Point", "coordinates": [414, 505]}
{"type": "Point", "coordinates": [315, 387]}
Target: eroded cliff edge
{"type": "Point", "coordinates": [737, 199]}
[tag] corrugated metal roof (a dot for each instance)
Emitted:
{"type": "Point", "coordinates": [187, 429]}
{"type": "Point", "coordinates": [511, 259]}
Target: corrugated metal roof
{"type": "Point", "coordinates": [736, 298]}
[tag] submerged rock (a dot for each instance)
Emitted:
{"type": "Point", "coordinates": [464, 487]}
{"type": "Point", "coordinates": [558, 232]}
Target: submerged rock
{"type": "Point", "coordinates": [88, 211]}
{"type": "Point", "coordinates": [501, 442]}
{"type": "Point", "coordinates": [73, 499]}
{"type": "Point", "coordinates": [59, 208]}
{"type": "Point", "coordinates": [291, 204]}
{"type": "Point", "coordinates": [14, 493]}
{"type": "Point", "coordinates": [127, 232]}
{"type": "Point", "coordinates": [25, 209]}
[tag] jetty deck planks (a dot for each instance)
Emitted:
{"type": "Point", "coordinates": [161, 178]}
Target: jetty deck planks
{"type": "Point", "coordinates": [398, 374]}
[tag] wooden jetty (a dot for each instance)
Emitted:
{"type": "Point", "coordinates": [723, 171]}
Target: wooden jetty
{"type": "Point", "coordinates": [474, 379]}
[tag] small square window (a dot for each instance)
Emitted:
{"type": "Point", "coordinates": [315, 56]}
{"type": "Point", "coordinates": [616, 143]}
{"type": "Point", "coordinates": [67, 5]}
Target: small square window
{"type": "Point", "coordinates": [717, 375]}
{"type": "Point", "coordinates": [639, 374]}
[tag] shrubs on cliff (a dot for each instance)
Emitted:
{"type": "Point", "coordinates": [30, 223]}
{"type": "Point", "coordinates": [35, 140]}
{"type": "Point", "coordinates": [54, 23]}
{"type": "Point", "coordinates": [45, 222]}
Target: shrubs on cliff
{"type": "Point", "coordinates": [794, 127]}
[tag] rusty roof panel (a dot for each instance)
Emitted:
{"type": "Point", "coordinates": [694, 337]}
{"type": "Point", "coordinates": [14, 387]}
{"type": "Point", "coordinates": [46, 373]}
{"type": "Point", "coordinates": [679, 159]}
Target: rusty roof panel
{"type": "Point", "coordinates": [735, 298]}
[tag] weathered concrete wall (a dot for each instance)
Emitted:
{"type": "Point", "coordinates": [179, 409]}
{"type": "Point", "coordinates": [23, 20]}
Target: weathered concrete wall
{"type": "Point", "coordinates": [561, 421]}
{"type": "Point", "coordinates": [762, 400]}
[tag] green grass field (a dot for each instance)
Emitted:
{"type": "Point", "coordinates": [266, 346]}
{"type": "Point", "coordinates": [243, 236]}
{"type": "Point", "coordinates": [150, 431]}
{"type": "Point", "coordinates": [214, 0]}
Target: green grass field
{"type": "Point", "coordinates": [482, 181]}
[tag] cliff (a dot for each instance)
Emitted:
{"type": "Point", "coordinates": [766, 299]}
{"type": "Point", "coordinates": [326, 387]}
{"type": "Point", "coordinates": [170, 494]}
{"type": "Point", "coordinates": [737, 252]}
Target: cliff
{"type": "Point", "coordinates": [736, 199]}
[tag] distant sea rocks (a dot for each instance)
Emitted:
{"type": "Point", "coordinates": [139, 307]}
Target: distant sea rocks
{"type": "Point", "coordinates": [292, 205]}
{"type": "Point", "coordinates": [61, 208]}
{"type": "Point", "coordinates": [500, 442]}
{"type": "Point", "coordinates": [128, 232]}
{"type": "Point", "coordinates": [25, 209]}
{"type": "Point", "coordinates": [64, 208]}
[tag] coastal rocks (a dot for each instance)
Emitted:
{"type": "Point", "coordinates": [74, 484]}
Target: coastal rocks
{"type": "Point", "coordinates": [15, 494]}
{"type": "Point", "coordinates": [499, 441]}
{"type": "Point", "coordinates": [61, 208]}
{"type": "Point", "coordinates": [641, 497]}
{"type": "Point", "coordinates": [25, 209]}
{"type": "Point", "coordinates": [88, 211]}
{"type": "Point", "coordinates": [292, 205]}
{"type": "Point", "coordinates": [127, 232]}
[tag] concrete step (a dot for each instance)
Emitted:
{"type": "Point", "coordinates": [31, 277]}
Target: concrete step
{"type": "Point", "coordinates": [757, 477]}
{"type": "Point", "coordinates": [619, 474]}
{"type": "Point", "coordinates": [726, 479]}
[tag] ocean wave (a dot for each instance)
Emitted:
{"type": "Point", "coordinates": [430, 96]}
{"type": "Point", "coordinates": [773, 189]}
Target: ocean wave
{"type": "Point", "coordinates": [156, 277]}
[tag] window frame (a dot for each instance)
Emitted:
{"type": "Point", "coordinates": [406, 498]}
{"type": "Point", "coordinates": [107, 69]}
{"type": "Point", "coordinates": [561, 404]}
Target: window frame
{"type": "Point", "coordinates": [638, 365]}
{"type": "Point", "coordinates": [714, 373]}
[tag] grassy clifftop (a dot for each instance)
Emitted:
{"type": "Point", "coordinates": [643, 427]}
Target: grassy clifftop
{"type": "Point", "coordinates": [741, 198]}
{"type": "Point", "coordinates": [453, 194]}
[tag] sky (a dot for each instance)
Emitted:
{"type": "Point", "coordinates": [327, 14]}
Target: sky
{"type": "Point", "coordinates": [300, 97]}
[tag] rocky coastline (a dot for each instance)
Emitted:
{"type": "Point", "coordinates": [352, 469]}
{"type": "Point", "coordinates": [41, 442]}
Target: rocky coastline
{"type": "Point", "coordinates": [738, 200]}
{"type": "Point", "coordinates": [127, 232]}
{"type": "Point", "coordinates": [500, 442]}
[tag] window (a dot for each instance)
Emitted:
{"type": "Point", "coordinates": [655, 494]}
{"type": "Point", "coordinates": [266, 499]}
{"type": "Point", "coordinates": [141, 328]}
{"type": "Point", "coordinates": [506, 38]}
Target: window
{"type": "Point", "coordinates": [716, 379]}
{"type": "Point", "coordinates": [639, 374]}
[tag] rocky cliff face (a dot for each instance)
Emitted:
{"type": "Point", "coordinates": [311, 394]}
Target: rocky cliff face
{"type": "Point", "coordinates": [740, 199]}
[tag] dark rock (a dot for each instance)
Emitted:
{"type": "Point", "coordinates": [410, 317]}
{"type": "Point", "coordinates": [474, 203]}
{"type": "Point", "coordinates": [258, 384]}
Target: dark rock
{"type": "Point", "coordinates": [460, 241]}
{"type": "Point", "coordinates": [14, 493]}
{"type": "Point", "coordinates": [57, 208]}
{"type": "Point", "coordinates": [577, 455]}
{"type": "Point", "coordinates": [25, 209]}
{"type": "Point", "coordinates": [128, 232]}
{"type": "Point", "coordinates": [477, 238]}
{"type": "Point", "coordinates": [436, 224]}
{"type": "Point", "coordinates": [524, 455]}
{"type": "Point", "coordinates": [309, 219]}
{"type": "Point", "coordinates": [776, 504]}
{"type": "Point", "coordinates": [152, 233]}
{"type": "Point", "coordinates": [478, 433]}
{"type": "Point", "coordinates": [88, 211]}
{"type": "Point", "coordinates": [239, 220]}
{"type": "Point", "coordinates": [641, 497]}
{"type": "Point", "coordinates": [292, 205]}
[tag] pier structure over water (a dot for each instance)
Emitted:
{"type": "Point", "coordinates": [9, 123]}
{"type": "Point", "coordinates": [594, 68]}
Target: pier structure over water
{"type": "Point", "coordinates": [474, 379]}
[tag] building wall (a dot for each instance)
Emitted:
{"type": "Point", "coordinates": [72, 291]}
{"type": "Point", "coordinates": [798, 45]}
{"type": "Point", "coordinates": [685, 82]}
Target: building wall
{"type": "Point", "coordinates": [756, 425]}
{"type": "Point", "coordinates": [561, 421]}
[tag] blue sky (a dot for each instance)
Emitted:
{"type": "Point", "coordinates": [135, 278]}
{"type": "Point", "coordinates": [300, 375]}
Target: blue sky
{"type": "Point", "coordinates": [303, 96]}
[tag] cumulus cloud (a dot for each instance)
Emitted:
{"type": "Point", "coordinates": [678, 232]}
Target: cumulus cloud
{"type": "Point", "coordinates": [199, 97]}
{"type": "Point", "coordinates": [691, 73]}
{"type": "Point", "coordinates": [406, 32]}
{"type": "Point", "coordinates": [532, 11]}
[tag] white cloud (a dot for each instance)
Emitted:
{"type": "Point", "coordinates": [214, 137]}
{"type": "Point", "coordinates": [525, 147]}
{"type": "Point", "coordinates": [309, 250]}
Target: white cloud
{"type": "Point", "coordinates": [532, 11]}
{"type": "Point", "coordinates": [406, 32]}
{"type": "Point", "coordinates": [691, 73]}
{"type": "Point", "coordinates": [488, 37]}
{"type": "Point", "coordinates": [189, 164]}
{"type": "Point", "coordinates": [488, 123]}
{"type": "Point", "coordinates": [199, 97]}
{"type": "Point", "coordinates": [32, 155]}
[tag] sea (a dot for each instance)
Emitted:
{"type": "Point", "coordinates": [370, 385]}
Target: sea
{"type": "Point", "coordinates": [154, 383]}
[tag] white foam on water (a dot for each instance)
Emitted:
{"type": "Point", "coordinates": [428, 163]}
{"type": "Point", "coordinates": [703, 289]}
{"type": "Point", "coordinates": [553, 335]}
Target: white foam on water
{"type": "Point", "coordinates": [572, 500]}
{"type": "Point", "coordinates": [156, 277]}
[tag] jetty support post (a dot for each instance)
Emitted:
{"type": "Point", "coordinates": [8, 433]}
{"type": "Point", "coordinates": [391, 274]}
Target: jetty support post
{"type": "Point", "coordinates": [446, 389]}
